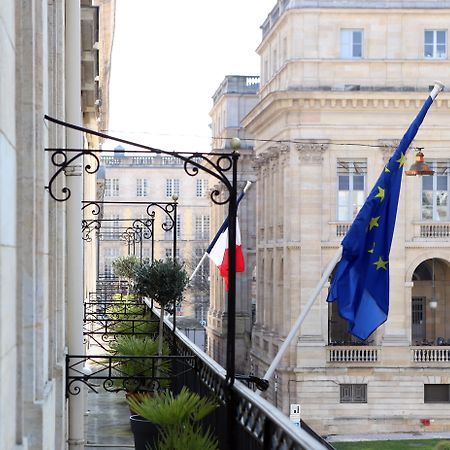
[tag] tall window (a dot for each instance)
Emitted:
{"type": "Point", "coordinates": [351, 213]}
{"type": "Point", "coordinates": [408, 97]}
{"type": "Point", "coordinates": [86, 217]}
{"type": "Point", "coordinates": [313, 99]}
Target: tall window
{"type": "Point", "coordinates": [201, 187]}
{"type": "Point", "coordinates": [111, 187]}
{"type": "Point", "coordinates": [351, 44]}
{"type": "Point", "coordinates": [435, 192]}
{"type": "Point", "coordinates": [172, 187]}
{"type": "Point", "coordinates": [202, 227]}
{"type": "Point", "coordinates": [435, 44]}
{"type": "Point", "coordinates": [351, 187]}
{"type": "Point", "coordinates": [169, 233]}
{"type": "Point", "coordinates": [141, 187]}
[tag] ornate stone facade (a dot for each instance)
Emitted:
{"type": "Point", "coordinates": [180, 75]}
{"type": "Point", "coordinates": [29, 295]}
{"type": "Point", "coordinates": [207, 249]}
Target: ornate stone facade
{"type": "Point", "coordinates": [340, 118]}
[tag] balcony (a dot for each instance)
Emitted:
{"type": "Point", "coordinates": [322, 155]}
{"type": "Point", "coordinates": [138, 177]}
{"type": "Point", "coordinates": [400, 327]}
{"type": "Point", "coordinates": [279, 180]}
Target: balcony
{"type": "Point", "coordinates": [244, 420]}
{"type": "Point", "coordinates": [353, 354]}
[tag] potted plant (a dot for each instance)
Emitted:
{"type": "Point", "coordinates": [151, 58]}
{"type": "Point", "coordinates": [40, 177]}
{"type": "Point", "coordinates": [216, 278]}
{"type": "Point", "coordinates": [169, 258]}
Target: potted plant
{"type": "Point", "coordinates": [125, 267]}
{"type": "Point", "coordinates": [177, 419]}
{"type": "Point", "coordinates": [139, 373]}
{"type": "Point", "coordinates": [164, 282]}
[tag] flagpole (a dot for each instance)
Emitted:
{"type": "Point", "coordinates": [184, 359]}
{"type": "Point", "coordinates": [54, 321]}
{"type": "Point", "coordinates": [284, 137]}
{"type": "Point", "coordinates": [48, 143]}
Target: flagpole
{"type": "Point", "coordinates": [305, 310]}
{"type": "Point", "coordinates": [247, 186]}
{"type": "Point", "coordinates": [438, 87]}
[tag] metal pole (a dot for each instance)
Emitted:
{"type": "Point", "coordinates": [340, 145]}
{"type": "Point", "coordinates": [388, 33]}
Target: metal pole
{"type": "Point", "coordinates": [305, 310]}
{"type": "Point", "coordinates": [174, 260]}
{"type": "Point", "coordinates": [231, 329]}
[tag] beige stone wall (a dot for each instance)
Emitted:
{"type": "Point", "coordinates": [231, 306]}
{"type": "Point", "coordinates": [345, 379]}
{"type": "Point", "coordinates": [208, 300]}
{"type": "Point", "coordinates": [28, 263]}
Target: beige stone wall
{"type": "Point", "coordinates": [306, 101]}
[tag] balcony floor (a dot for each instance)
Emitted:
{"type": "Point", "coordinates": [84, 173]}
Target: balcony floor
{"type": "Point", "coordinates": [107, 424]}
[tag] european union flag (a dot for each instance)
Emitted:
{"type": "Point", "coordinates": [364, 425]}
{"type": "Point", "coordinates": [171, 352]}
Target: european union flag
{"type": "Point", "coordinates": [361, 281]}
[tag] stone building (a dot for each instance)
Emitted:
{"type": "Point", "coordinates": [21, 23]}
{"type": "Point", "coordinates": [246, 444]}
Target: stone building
{"type": "Point", "coordinates": [41, 272]}
{"type": "Point", "coordinates": [340, 83]}
{"type": "Point", "coordinates": [138, 180]}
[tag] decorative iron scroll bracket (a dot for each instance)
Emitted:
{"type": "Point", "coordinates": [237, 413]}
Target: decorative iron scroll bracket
{"type": "Point", "coordinates": [216, 164]}
{"type": "Point", "coordinates": [260, 383]}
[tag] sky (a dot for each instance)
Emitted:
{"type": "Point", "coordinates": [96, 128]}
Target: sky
{"type": "Point", "coordinates": [168, 59]}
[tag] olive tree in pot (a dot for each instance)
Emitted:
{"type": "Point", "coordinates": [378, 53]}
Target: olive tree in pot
{"type": "Point", "coordinates": [164, 282]}
{"type": "Point", "coordinates": [126, 267]}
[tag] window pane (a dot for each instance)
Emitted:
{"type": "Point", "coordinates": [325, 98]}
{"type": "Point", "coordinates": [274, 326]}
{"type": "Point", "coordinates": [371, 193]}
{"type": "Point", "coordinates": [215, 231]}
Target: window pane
{"type": "Point", "coordinates": [358, 183]}
{"type": "Point", "coordinates": [427, 183]}
{"type": "Point", "coordinates": [440, 51]}
{"type": "Point", "coordinates": [357, 51]}
{"type": "Point", "coordinates": [427, 213]}
{"type": "Point", "coordinates": [427, 198]}
{"type": "Point", "coordinates": [344, 183]}
{"type": "Point", "coordinates": [429, 37]}
{"type": "Point", "coordinates": [428, 50]}
{"type": "Point", "coordinates": [441, 37]}
{"type": "Point", "coordinates": [357, 37]}
{"type": "Point", "coordinates": [441, 183]}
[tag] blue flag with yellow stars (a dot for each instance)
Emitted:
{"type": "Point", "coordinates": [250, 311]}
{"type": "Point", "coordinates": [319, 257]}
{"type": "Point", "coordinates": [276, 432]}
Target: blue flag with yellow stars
{"type": "Point", "coordinates": [361, 281]}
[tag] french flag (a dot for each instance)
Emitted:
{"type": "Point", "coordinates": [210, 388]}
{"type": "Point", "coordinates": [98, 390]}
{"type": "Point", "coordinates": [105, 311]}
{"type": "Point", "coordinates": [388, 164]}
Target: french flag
{"type": "Point", "coordinates": [218, 251]}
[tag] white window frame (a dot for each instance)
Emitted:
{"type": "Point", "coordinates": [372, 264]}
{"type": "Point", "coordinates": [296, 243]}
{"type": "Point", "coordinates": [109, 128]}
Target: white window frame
{"type": "Point", "coordinates": [348, 46]}
{"type": "Point", "coordinates": [172, 187]}
{"type": "Point", "coordinates": [202, 224]}
{"type": "Point", "coordinates": [441, 168]}
{"type": "Point", "coordinates": [112, 187]}
{"type": "Point", "coordinates": [352, 165]}
{"type": "Point", "coordinates": [201, 187]}
{"type": "Point", "coordinates": [431, 49]}
{"type": "Point", "coordinates": [142, 187]}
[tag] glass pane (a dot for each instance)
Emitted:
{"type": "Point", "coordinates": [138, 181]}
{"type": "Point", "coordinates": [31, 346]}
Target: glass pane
{"type": "Point", "coordinates": [357, 37]}
{"type": "Point", "coordinates": [427, 213]}
{"type": "Point", "coordinates": [441, 183]}
{"type": "Point", "coordinates": [343, 213]}
{"type": "Point", "coordinates": [441, 37]}
{"type": "Point", "coordinates": [427, 198]}
{"type": "Point", "coordinates": [442, 212]}
{"type": "Point", "coordinates": [357, 50]}
{"type": "Point", "coordinates": [441, 198]}
{"type": "Point", "coordinates": [428, 50]}
{"type": "Point", "coordinates": [358, 183]}
{"type": "Point", "coordinates": [344, 184]}
{"type": "Point", "coordinates": [429, 37]}
{"type": "Point", "coordinates": [427, 183]}
{"type": "Point", "coordinates": [440, 51]}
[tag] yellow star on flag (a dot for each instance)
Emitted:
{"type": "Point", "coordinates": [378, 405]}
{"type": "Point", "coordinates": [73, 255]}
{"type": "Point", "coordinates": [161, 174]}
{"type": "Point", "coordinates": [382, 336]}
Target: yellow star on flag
{"type": "Point", "coordinates": [401, 160]}
{"type": "Point", "coordinates": [381, 264]}
{"type": "Point", "coordinates": [374, 222]}
{"type": "Point", "coordinates": [380, 194]}
{"type": "Point", "coordinates": [386, 169]}
{"type": "Point", "coordinates": [372, 249]}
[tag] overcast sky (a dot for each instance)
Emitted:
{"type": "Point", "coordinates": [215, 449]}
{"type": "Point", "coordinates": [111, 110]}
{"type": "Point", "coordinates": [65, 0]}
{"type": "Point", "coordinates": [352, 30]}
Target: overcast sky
{"type": "Point", "coordinates": [169, 57]}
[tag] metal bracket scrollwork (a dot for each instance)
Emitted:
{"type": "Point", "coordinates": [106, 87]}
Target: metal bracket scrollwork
{"type": "Point", "coordinates": [218, 165]}
{"type": "Point", "coordinates": [169, 208]}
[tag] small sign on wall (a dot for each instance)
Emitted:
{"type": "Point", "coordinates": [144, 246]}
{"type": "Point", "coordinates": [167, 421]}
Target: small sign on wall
{"type": "Point", "coordinates": [295, 414]}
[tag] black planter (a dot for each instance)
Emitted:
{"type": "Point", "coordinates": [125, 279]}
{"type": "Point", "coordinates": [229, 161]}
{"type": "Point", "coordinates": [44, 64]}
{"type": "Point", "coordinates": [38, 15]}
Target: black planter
{"type": "Point", "coordinates": [145, 433]}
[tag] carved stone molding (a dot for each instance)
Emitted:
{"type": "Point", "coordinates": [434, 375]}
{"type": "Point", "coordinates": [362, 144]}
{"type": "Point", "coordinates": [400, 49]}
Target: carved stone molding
{"type": "Point", "coordinates": [274, 154]}
{"type": "Point", "coordinates": [310, 152]}
{"type": "Point", "coordinates": [387, 148]}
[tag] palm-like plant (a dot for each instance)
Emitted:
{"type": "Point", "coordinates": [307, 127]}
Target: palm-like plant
{"type": "Point", "coordinates": [178, 419]}
{"type": "Point", "coordinates": [164, 282]}
{"type": "Point", "coordinates": [138, 372]}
